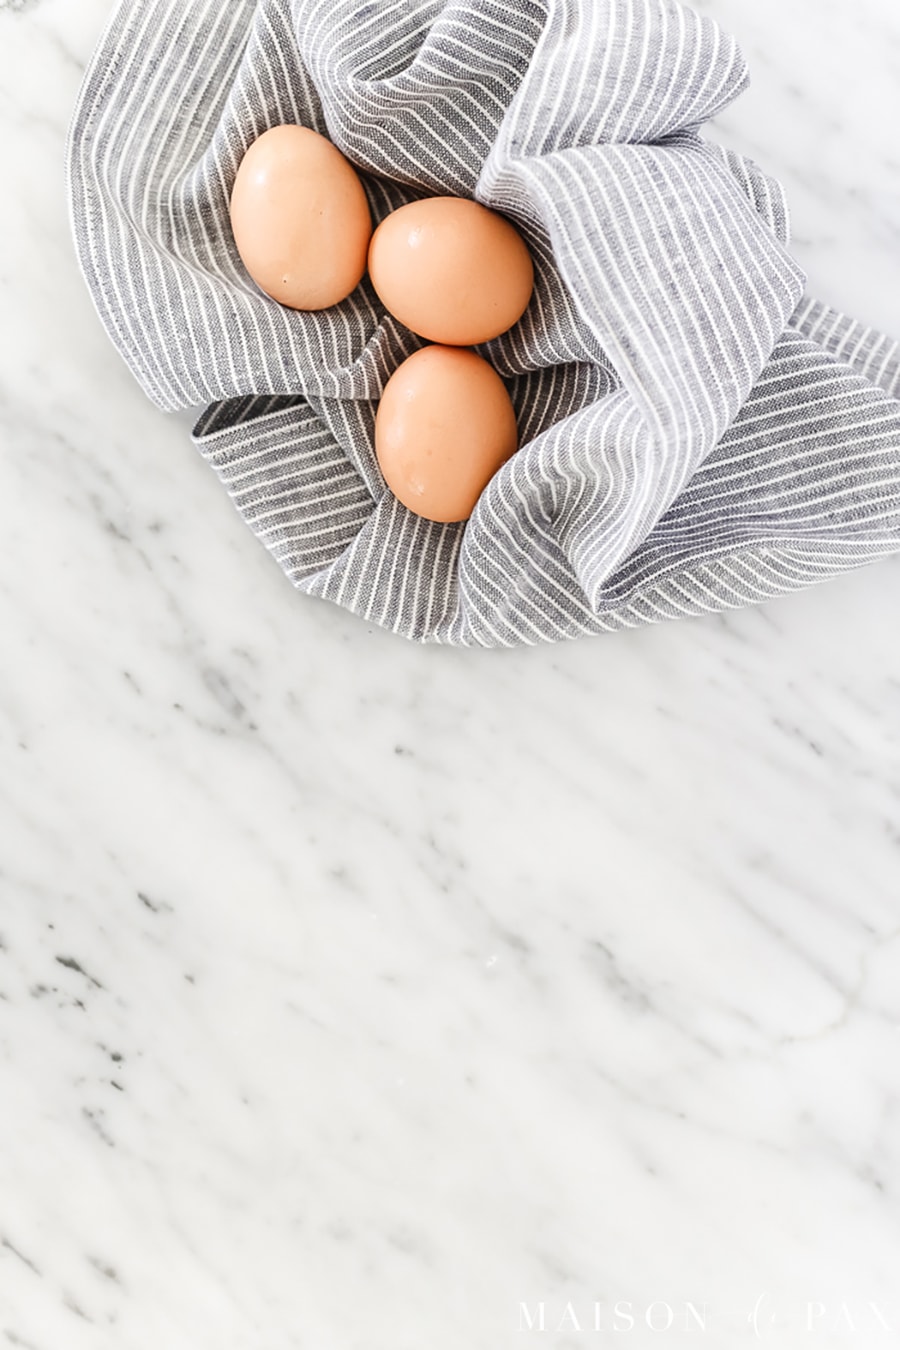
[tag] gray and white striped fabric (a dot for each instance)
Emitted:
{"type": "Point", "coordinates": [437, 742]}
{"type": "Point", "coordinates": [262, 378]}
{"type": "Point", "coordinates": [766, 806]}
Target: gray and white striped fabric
{"type": "Point", "coordinates": [695, 434]}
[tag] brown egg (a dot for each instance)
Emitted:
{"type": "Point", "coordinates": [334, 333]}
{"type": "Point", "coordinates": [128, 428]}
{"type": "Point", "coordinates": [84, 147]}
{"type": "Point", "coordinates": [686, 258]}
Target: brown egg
{"type": "Point", "coordinates": [451, 270]}
{"type": "Point", "coordinates": [300, 218]}
{"type": "Point", "coordinates": [444, 426]}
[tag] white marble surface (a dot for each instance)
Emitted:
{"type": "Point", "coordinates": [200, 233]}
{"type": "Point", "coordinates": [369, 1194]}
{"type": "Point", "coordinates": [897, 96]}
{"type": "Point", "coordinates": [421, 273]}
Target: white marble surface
{"type": "Point", "coordinates": [354, 995]}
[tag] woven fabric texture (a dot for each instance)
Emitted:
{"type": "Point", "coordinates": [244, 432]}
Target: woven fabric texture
{"type": "Point", "coordinates": [696, 433]}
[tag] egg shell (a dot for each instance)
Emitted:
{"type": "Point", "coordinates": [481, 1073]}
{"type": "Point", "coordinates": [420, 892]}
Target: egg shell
{"type": "Point", "coordinates": [300, 218]}
{"type": "Point", "coordinates": [451, 270]}
{"type": "Point", "coordinates": [444, 426]}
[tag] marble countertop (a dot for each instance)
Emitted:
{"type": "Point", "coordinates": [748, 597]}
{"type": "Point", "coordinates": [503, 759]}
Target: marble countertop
{"type": "Point", "coordinates": [356, 995]}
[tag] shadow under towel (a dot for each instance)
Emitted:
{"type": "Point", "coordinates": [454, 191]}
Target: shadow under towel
{"type": "Point", "coordinates": [695, 434]}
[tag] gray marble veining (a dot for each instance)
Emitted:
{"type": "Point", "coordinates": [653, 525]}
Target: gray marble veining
{"type": "Point", "coordinates": [321, 1026]}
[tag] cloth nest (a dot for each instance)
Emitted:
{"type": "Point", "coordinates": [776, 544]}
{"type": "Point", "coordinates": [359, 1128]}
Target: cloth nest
{"type": "Point", "coordinates": [696, 434]}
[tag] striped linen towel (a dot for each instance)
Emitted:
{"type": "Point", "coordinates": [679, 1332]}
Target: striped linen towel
{"type": "Point", "coordinates": [696, 434]}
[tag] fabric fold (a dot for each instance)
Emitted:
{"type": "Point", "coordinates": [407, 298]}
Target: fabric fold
{"type": "Point", "coordinates": [696, 433]}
